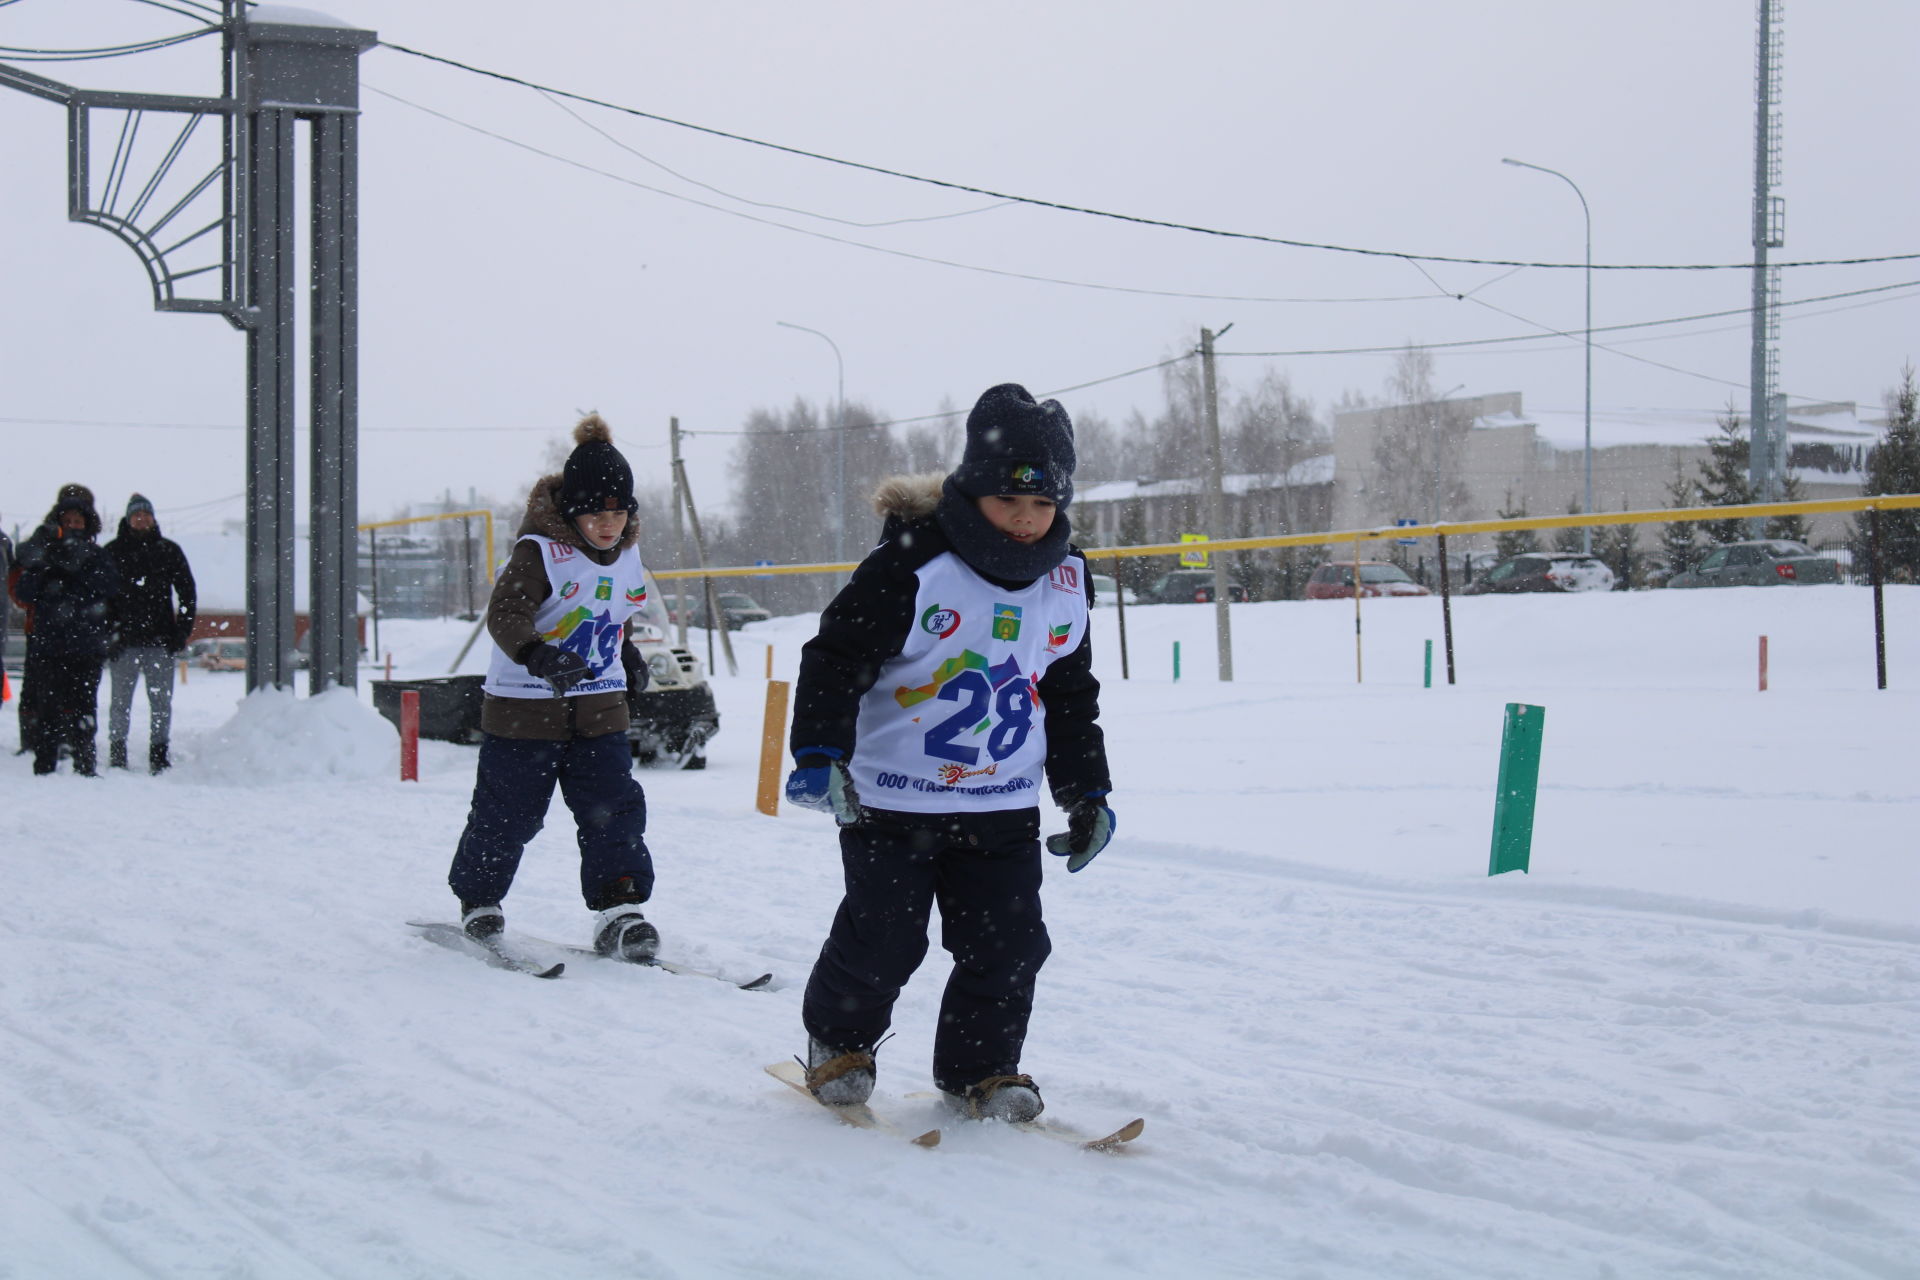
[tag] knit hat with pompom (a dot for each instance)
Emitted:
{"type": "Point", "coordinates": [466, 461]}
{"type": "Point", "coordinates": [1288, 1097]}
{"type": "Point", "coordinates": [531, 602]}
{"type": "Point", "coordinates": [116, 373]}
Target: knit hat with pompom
{"type": "Point", "coordinates": [597, 477]}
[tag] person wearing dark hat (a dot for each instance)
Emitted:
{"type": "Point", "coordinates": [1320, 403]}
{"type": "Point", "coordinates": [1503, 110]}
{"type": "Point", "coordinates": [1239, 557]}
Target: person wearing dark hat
{"type": "Point", "coordinates": [70, 582]}
{"type": "Point", "coordinates": [556, 708]}
{"type": "Point", "coordinates": [152, 622]}
{"type": "Point", "coordinates": [950, 682]}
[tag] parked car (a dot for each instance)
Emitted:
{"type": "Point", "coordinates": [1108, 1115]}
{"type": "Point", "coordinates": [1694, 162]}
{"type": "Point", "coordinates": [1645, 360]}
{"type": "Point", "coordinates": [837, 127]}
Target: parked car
{"type": "Point", "coordinates": [1334, 580]}
{"type": "Point", "coordinates": [1770, 562]}
{"type": "Point", "coordinates": [219, 655]}
{"type": "Point", "coordinates": [675, 719]}
{"type": "Point", "coordinates": [735, 608]}
{"type": "Point", "coordinates": [1190, 586]}
{"type": "Point", "coordinates": [1106, 591]}
{"type": "Point", "coordinates": [1543, 571]}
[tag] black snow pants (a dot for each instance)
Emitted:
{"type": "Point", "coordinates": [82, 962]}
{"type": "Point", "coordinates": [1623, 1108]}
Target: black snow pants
{"type": "Point", "coordinates": [984, 872]}
{"type": "Point", "coordinates": [512, 786]}
{"type": "Point", "coordinates": [65, 689]}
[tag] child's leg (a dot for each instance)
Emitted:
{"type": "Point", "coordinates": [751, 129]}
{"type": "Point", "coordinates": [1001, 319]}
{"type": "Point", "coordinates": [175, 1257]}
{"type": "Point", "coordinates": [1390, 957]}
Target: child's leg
{"type": "Point", "coordinates": [990, 922]}
{"type": "Point", "coordinates": [610, 809]}
{"type": "Point", "coordinates": [511, 787]}
{"type": "Point", "coordinates": [879, 935]}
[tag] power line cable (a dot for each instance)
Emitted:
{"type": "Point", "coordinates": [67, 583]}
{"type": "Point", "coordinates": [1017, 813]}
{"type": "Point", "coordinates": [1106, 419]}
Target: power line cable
{"type": "Point", "coordinates": [860, 244]}
{"type": "Point", "coordinates": [760, 204]}
{"type": "Point", "coordinates": [1135, 219]}
{"type": "Point", "coordinates": [19, 54]}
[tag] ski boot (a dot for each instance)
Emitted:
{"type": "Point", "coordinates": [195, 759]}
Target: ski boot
{"type": "Point", "coordinates": [117, 755]}
{"type": "Point", "coordinates": [836, 1077]}
{"type": "Point", "coordinates": [482, 922]}
{"type": "Point", "coordinates": [619, 929]}
{"type": "Point", "coordinates": [1013, 1098]}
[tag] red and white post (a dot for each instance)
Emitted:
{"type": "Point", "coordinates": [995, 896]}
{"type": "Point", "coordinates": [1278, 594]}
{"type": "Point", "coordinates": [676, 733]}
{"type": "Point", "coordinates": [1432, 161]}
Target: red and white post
{"type": "Point", "coordinates": [410, 736]}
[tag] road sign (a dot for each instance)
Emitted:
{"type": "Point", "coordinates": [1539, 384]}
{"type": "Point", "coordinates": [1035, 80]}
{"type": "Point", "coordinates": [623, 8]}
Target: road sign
{"type": "Point", "coordinates": [1195, 559]}
{"type": "Point", "coordinates": [1406, 542]}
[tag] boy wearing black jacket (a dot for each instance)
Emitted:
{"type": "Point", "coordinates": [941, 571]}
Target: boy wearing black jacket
{"type": "Point", "coordinates": [950, 680]}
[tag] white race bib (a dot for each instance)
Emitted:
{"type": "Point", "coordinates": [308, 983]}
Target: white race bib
{"type": "Point", "coordinates": [584, 614]}
{"type": "Point", "coordinates": [954, 722]}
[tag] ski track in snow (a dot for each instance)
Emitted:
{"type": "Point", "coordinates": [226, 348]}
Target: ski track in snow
{"type": "Point", "coordinates": [1688, 1050]}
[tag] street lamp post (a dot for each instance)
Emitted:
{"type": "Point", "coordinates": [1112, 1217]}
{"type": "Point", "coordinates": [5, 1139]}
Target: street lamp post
{"type": "Point", "coordinates": [839, 441]}
{"type": "Point", "coordinates": [1586, 535]}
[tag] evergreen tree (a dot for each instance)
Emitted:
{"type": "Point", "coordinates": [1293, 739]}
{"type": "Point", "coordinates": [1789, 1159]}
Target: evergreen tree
{"type": "Point", "coordinates": [1615, 544]}
{"type": "Point", "coordinates": [1573, 537]}
{"type": "Point", "coordinates": [1677, 540]}
{"type": "Point", "coordinates": [1893, 466]}
{"type": "Point", "coordinates": [1723, 479]}
{"type": "Point", "coordinates": [1793, 527]}
{"type": "Point", "coordinates": [1514, 542]}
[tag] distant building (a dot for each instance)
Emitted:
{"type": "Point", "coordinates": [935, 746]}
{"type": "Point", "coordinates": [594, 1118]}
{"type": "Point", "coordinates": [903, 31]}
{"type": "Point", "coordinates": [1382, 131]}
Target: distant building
{"type": "Point", "coordinates": [1138, 512]}
{"type": "Point", "coordinates": [219, 564]}
{"type": "Point", "coordinates": [1512, 459]}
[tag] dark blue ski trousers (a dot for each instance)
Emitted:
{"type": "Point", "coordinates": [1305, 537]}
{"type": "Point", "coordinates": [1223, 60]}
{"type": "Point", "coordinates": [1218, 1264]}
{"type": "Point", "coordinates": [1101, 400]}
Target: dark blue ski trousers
{"type": "Point", "coordinates": [512, 787]}
{"type": "Point", "coordinates": [984, 872]}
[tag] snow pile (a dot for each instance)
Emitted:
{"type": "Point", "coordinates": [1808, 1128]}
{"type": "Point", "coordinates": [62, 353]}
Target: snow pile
{"type": "Point", "coordinates": [275, 736]}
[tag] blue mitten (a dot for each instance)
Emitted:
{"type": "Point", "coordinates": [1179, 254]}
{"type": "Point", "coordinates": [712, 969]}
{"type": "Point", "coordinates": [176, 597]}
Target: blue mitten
{"type": "Point", "coordinates": [1090, 824]}
{"type": "Point", "coordinates": [820, 782]}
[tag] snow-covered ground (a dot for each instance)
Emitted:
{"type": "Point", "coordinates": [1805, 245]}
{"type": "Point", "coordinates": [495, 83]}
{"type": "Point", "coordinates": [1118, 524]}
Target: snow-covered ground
{"type": "Point", "coordinates": [1684, 1045]}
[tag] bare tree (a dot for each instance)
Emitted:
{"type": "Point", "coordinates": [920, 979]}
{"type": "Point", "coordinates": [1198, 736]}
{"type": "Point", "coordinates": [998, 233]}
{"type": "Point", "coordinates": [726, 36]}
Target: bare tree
{"type": "Point", "coordinates": [1419, 444]}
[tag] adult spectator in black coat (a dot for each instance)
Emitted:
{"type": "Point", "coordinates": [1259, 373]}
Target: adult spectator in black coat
{"type": "Point", "coordinates": [70, 581]}
{"type": "Point", "coordinates": [152, 621]}
{"type": "Point", "coordinates": [6, 603]}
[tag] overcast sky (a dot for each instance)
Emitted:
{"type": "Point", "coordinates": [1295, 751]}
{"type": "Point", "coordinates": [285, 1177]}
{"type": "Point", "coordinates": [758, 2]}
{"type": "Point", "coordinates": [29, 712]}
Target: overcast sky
{"type": "Point", "coordinates": [503, 290]}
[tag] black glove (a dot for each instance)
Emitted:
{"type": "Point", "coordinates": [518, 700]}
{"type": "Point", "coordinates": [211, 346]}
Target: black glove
{"type": "Point", "coordinates": [1090, 824]}
{"type": "Point", "coordinates": [638, 677]}
{"type": "Point", "coordinates": [561, 668]}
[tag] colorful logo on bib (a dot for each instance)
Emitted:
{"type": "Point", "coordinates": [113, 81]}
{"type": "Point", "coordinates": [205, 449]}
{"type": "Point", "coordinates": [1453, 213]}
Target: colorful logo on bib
{"type": "Point", "coordinates": [568, 590]}
{"type": "Point", "coordinates": [637, 596]}
{"type": "Point", "coordinates": [1057, 637]}
{"type": "Point", "coordinates": [909, 696]}
{"type": "Point", "coordinates": [1006, 622]}
{"type": "Point", "coordinates": [604, 591]}
{"type": "Point", "coordinates": [940, 621]}
{"type": "Point", "coordinates": [953, 775]}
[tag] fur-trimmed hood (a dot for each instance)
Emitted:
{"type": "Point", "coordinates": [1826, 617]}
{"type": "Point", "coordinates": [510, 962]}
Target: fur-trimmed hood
{"type": "Point", "coordinates": [543, 517]}
{"type": "Point", "coordinates": [908, 501]}
{"type": "Point", "coordinates": [908, 498]}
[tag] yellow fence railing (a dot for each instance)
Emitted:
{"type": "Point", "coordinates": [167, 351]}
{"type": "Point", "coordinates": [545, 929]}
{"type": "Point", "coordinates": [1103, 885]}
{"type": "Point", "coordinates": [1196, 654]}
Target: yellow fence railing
{"type": "Point", "coordinates": [1444, 528]}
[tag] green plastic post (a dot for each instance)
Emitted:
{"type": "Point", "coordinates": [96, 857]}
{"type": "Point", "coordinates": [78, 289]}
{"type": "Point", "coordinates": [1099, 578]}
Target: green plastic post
{"type": "Point", "coordinates": [1176, 660]}
{"type": "Point", "coordinates": [1426, 680]}
{"type": "Point", "coordinates": [1519, 782]}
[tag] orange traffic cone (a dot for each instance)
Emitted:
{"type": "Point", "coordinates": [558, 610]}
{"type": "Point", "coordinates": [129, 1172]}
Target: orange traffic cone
{"type": "Point", "coordinates": [6, 690]}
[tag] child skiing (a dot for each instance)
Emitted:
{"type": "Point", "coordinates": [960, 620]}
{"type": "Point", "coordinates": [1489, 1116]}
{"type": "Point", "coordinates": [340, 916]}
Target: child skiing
{"type": "Point", "coordinates": [951, 678]}
{"type": "Point", "coordinates": [556, 707]}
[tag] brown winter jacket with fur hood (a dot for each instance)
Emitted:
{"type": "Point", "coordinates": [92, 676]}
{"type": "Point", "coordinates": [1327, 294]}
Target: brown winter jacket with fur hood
{"type": "Point", "coordinates": [517, 596]}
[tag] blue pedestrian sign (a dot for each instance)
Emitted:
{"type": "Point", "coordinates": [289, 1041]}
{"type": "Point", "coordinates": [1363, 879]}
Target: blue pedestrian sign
{"type": "Point", "coordinates": [1406, 524]}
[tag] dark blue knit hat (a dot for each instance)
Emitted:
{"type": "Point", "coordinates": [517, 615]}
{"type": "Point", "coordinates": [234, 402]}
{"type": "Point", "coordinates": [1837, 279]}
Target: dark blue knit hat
{"type": "Point", "coordinates": [1017, 446]}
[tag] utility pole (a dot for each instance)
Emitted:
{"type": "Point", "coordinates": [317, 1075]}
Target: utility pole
{"type": "Point", "coordinates": [1766, 408]}
{"type": "Point", "coordinates": [679, 535]}
{"type": "Point", "coordinates": [1216, 502]}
